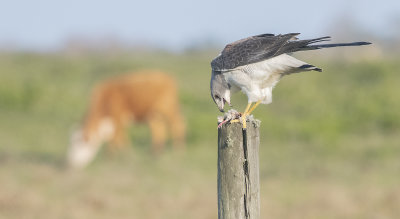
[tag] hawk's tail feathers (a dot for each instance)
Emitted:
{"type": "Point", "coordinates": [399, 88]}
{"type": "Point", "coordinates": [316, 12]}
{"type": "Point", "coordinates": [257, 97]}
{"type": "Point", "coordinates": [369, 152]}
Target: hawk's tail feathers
{"type": "Point", "coordinates": [317, 40]}
{"type": "Point", "coordinates": [336, 45]}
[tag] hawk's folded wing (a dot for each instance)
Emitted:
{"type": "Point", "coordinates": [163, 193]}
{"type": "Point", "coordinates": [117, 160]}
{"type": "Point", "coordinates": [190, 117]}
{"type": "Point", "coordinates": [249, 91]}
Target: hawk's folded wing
{"type": "Point", "coordinates": [258, 48]}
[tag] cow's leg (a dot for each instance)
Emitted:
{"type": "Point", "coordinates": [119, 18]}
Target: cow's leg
{"type": "Point", "coordinates": [177, 129]}
{"type": "Point", "coordinates": [158, 131]}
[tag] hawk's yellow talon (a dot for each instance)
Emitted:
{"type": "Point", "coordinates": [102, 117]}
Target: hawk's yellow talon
{"type": "Point", "coordinates": [243, 116]}
{"type": "Point", "coordinates": [234, 120]}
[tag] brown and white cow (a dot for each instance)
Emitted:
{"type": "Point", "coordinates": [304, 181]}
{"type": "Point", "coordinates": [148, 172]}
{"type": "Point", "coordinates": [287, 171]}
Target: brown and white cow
{"type": "Point", "coordinates": [146, 97]}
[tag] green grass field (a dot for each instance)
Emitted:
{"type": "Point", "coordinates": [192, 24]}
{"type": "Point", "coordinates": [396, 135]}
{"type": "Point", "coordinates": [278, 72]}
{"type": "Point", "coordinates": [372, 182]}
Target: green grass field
{"type": "Point", "coordinates": [330, 142]}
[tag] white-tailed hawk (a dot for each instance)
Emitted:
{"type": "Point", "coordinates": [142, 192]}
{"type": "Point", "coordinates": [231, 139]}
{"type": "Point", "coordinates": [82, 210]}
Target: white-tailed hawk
{"type": "Point", "coordinates": [255, 65]}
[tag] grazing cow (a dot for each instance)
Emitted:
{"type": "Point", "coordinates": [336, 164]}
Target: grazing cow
{"type": "Point", "coordinates": [146, 97]}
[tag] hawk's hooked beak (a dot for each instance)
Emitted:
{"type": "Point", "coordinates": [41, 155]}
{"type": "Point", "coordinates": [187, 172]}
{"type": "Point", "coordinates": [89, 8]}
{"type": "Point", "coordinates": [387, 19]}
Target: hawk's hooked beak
{"type": "Point", "coordinates": [222, 104]}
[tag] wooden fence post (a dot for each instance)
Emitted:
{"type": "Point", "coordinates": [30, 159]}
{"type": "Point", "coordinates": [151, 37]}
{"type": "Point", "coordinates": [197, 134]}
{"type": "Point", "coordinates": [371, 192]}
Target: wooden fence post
{"type": "Point", "coordinates": [238, 171]}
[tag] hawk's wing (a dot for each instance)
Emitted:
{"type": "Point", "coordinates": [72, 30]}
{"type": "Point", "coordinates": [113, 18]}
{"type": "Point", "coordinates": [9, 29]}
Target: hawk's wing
{"type": "Point", "coordinates": [258, 48]}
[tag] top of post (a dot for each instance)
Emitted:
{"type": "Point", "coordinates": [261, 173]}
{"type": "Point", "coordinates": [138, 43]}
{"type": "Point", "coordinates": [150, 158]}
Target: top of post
{"type": "Point", "coordinates": [233, 114]}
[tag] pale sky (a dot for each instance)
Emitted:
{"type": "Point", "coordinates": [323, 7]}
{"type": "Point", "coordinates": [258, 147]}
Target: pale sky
{"type": "Point", "coordinates": [47, 24]}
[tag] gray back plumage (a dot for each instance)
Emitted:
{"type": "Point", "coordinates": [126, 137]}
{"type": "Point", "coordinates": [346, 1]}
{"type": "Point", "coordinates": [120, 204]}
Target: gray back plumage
{"type": "Point", "coordinates": [261, 47]}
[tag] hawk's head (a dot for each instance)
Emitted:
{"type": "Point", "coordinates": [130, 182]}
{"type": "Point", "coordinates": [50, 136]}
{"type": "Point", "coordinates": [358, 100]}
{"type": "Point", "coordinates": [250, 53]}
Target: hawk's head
{"type": "Point", "coordinates": [220, 92]}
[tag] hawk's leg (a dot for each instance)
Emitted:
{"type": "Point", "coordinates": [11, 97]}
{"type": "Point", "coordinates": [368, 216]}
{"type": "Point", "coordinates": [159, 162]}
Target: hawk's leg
{"type": "Point", "coordinates": [254, 106]}
{"type": "Point", "coordinates": [244, 115]}
{"type": "Point", "coordinates": [246, 112]}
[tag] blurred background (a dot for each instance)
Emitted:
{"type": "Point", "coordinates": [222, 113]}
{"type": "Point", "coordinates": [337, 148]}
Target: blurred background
{"type": "Point", "coordinates": [330, 142]}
